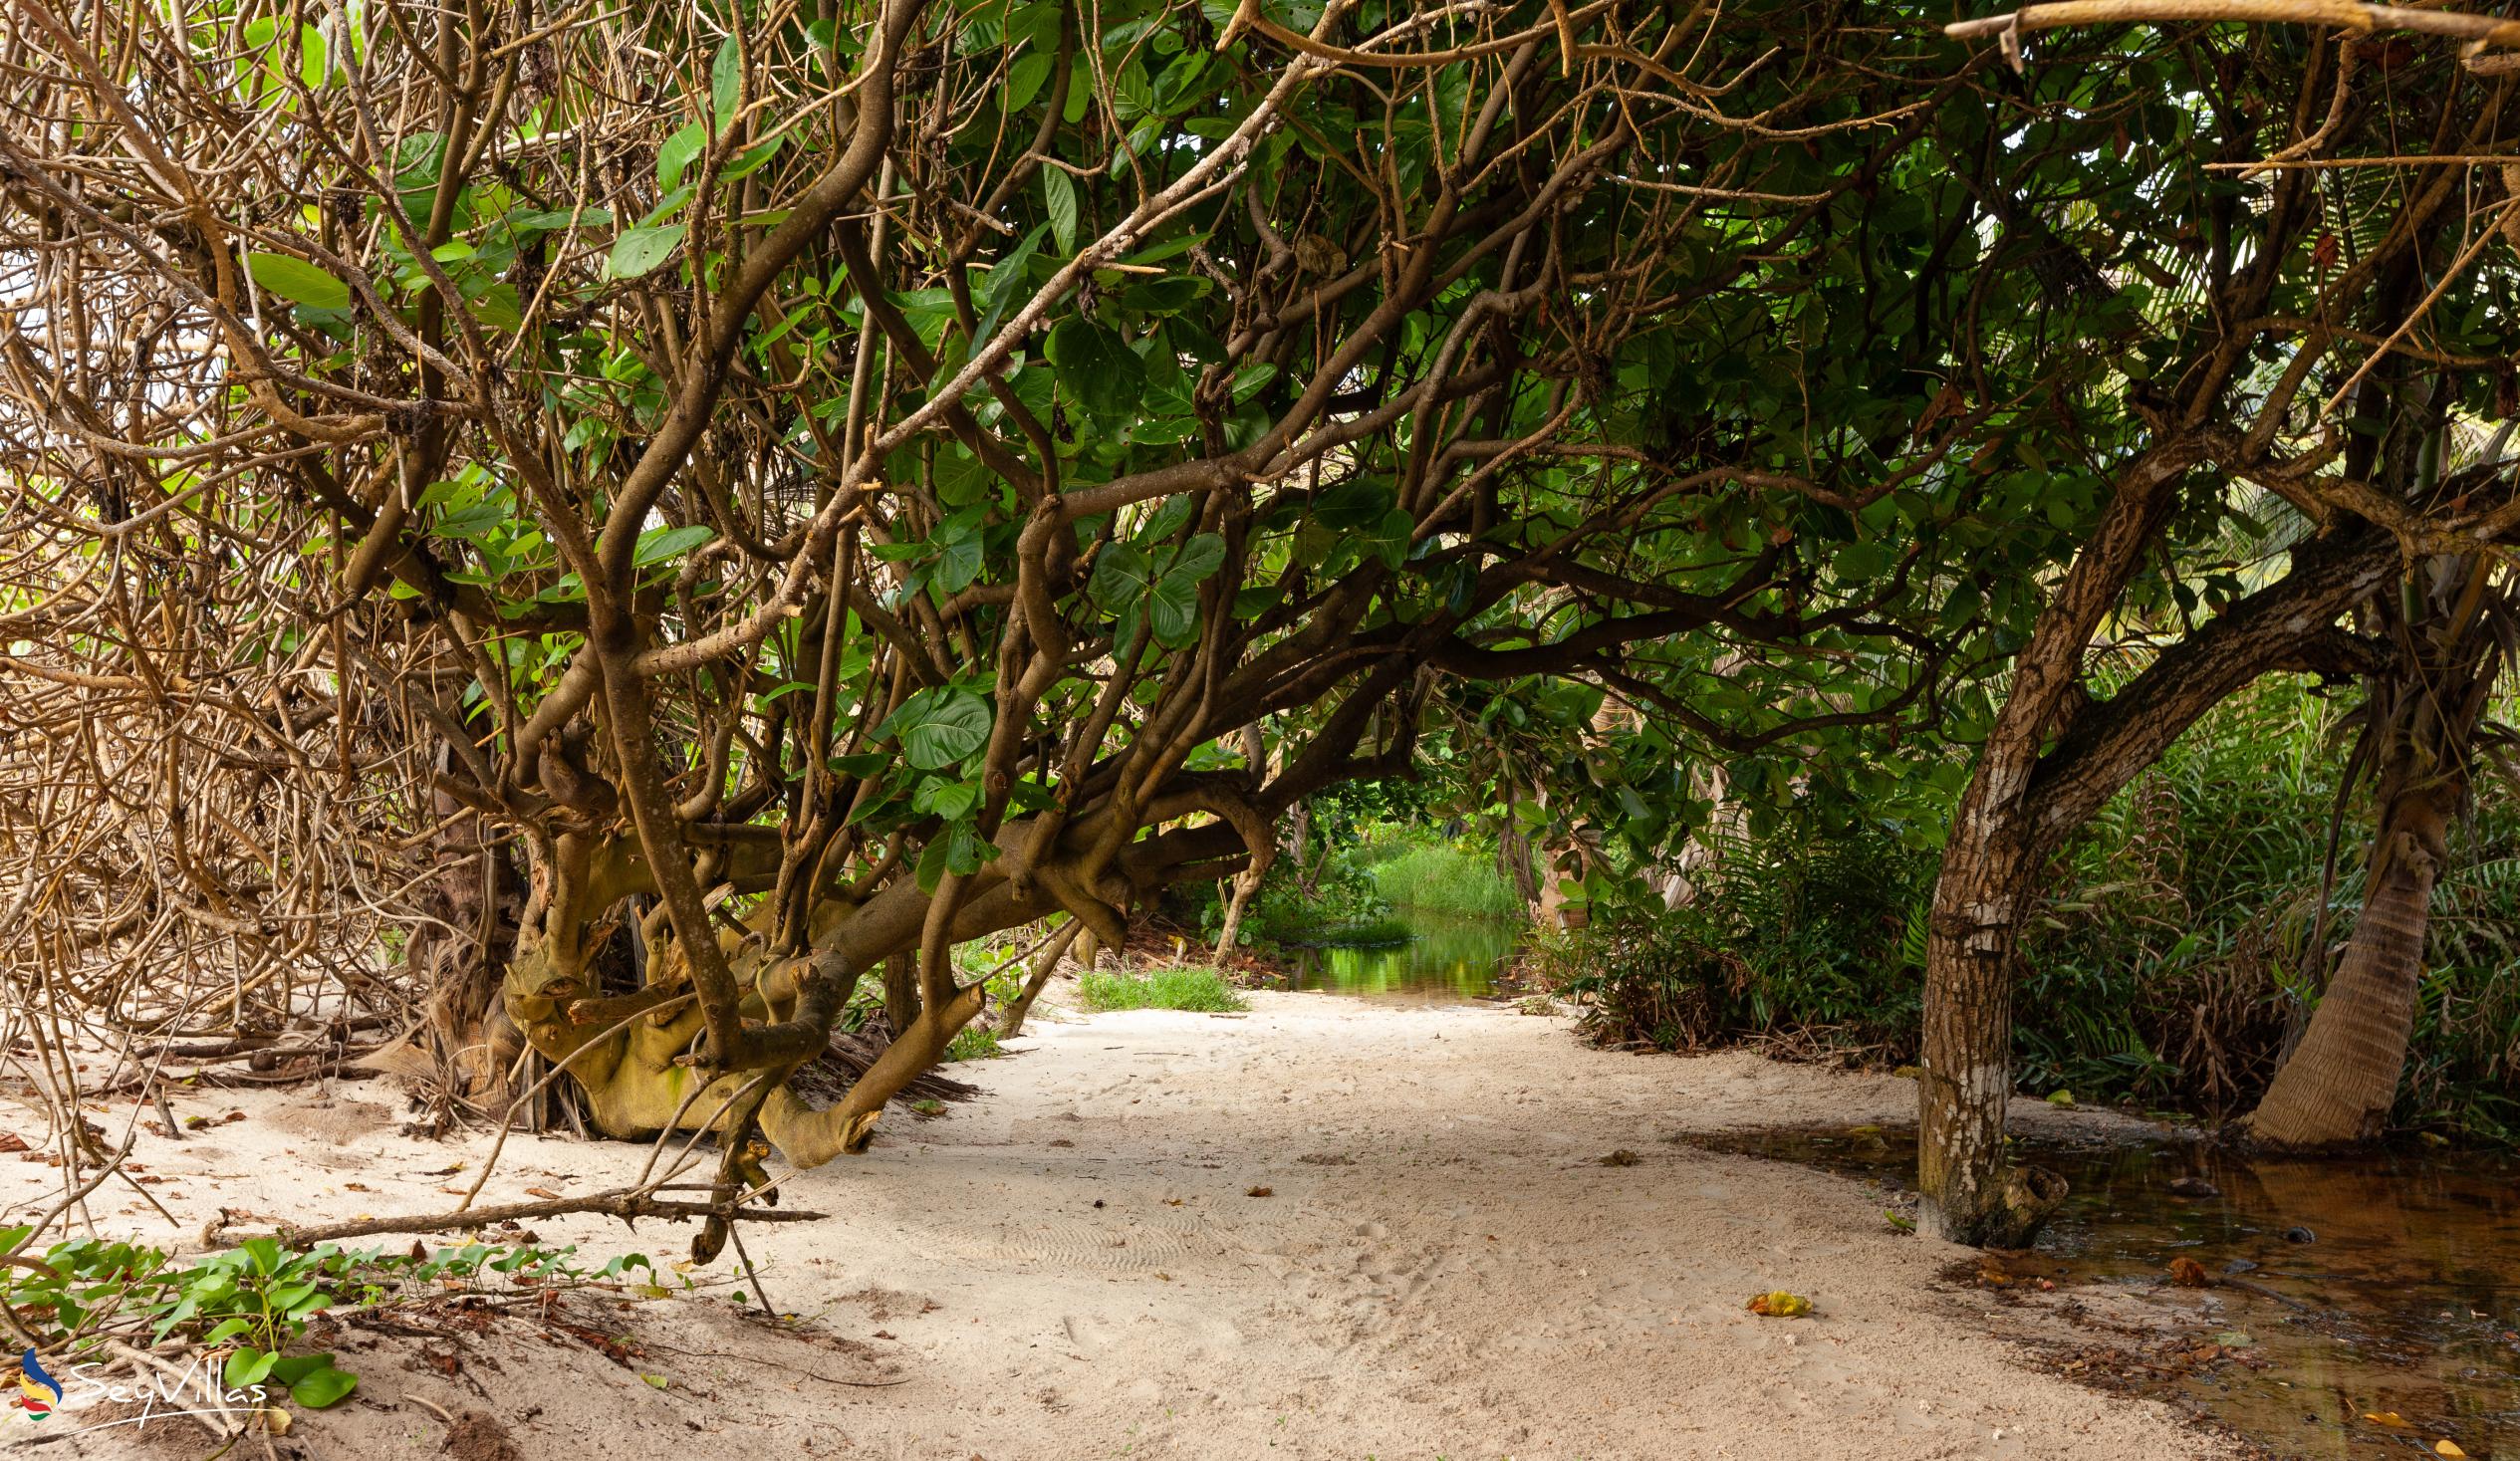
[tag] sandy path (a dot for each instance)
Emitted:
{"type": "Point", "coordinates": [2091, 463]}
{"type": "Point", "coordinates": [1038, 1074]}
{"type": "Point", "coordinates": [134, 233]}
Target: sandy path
{"type": "Point", "coordinates": [1071, 1267]}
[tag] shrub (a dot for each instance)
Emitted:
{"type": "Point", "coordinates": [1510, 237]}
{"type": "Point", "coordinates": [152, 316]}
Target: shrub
{"type": "Point", "coordinates": [1809, 938]}
{"type": "Point", "coordinates": [1158, 989]}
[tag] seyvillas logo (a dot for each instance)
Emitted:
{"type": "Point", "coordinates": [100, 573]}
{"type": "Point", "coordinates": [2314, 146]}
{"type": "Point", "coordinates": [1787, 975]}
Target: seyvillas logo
{"type": "Point", "coordinates": [39, 1395]}
{"type": "Point", "coordinates": [192, 1390]}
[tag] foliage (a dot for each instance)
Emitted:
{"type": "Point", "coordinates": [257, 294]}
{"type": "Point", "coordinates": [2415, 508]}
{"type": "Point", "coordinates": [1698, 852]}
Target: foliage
{"type": "Point", "coordinates": [2163, 967]}
{"type": "Point", "coordinates": [1158, 989]}
{"type": "Point", "coordinates": [977, 1041]}
{"type": "Point", "coordinates": [1803, 940]}
{"type": "Point", "coordinates": [253, 1300]}
{"type": "Point", "coordinates": [1447, 877]}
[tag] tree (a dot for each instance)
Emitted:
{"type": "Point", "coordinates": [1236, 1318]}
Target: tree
{"type": "Point", "coordinates": [810, 489]}
{"type": "Point", "coordinates": [2450, 628]}
{"type": "Point", "coordinates": [2304, 278]}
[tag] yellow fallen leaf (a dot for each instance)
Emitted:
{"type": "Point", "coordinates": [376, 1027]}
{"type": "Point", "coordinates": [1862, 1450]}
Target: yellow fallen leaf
{"type": "Point", "coordinates": [2385, 1417]}
{"type": "Point", "coordinates": [2448, 1448]}
{"type": "Point", "coordinates": [1780, 1305]}
{"type": "Point", "coordinates": [276, 1421]}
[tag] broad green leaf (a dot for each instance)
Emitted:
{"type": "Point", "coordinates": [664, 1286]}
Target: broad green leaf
{"type": "Point", "coordinates": [657, 544]}
{"type": "Point", "coordinates": [1202, 556]}
{"type": "Point", "coordinates": [1096, 368]}
{"type": "Point", "coordinates": [938, 727]}
{"type": "Point", "coordinates": [1058, 193]}
{"type": "Point", "coordinates": [1121, 575]}
{"type": "Point", "coordinates": [726, 81]}
{"type": "Point", "coordinates": [639, 250]}
{"type": "Point", "coordinates": [1174, 609]}
{"type": "Point", "coordinates": [325, 1388]}
{"type": "Point", "coordinates": [677, 155]}
{"type": "Point", "coordinates": [298, 281]}
{"type": "Point", "coordinates": [1023, 81]}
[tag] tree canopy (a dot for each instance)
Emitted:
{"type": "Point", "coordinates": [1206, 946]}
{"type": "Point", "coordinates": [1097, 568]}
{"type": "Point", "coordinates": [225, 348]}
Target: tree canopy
{"type": "Point", "coordinates": [823, 483]}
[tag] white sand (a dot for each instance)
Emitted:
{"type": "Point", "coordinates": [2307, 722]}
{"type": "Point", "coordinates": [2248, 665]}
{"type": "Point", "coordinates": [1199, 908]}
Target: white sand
{"type": "Point", "coordinates": [1457, 1276]}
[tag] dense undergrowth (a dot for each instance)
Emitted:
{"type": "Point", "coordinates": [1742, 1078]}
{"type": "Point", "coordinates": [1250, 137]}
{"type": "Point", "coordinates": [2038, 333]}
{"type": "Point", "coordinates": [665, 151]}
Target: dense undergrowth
{"type": "Point", "coordinates": [2164, 969]}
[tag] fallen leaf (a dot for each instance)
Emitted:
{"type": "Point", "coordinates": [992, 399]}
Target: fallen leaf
{"type": "Point", "coordinates": [357, 1187]}
{"type": "Point", "coordinates": [2187, 1272]}
{"type": "Point", "coordinates": [658, 1381]}
{"type": "Point", "coordinates": [2061, 1098]}
{"type": "Point", "coordinates": [2385, 1417]}
{"type": "Point", "coordinates": [1261, 1192]}
{"type": "Point", "coordinates": [542, 1192]}
{"type": "Point", "coordinates": [1780, 1305]}
{"type": "Point", "coordinates": [2447, 1448]}
{"type": "Point", "coordinates": [275, 1421]}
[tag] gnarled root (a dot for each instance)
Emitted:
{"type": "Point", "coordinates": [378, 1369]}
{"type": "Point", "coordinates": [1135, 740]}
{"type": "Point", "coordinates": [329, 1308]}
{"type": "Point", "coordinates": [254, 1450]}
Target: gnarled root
{"type": "Point", "coordinates": [2031, 1197]}
{"type": "Point", "coordinates": [810, 1137]}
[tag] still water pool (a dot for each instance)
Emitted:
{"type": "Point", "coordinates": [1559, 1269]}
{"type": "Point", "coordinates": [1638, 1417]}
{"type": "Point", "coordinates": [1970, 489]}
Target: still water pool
{"type": "Point", "coordinates": [1449, 960]}
{"type": "Point", "coordinates": [2398, 1324]}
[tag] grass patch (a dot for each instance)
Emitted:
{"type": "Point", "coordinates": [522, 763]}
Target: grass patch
{"type": "Point", "coordinates": [1159, 989]}
{"type": "Point", "coordinates": [974, 1042]}
{"type": "Point", "coordinates": [1441, 878]}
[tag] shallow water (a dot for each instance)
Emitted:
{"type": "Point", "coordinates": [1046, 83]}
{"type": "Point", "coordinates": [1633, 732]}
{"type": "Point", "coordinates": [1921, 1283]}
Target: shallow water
{"type": "Point", "coordinates": [2412, 1283]}
{"type": "Point", "coordinates": [1449, 960]}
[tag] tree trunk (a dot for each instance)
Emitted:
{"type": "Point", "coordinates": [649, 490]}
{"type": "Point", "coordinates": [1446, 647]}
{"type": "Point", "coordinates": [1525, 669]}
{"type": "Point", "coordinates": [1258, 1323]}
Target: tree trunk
{"type": "Point", "coordinates": [2342, 1080]}
{"type": "Point", "coordinates": [2450, 622]}
{"type": "Point", "coordinates": [1011, 1022]}
{"type": "Point", "coordinates": [1965, 1071]}
{"type": "Point", "coordinates": [1998, 835]}
{"type": "Point", "coordinates": [900, 991]}
{"type": "Point", "coordinates": [1244, 885]}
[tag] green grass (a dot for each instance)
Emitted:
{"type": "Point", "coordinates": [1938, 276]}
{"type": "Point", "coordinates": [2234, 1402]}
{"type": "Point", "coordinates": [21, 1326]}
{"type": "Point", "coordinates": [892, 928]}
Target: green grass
{"type": "Point", "coordinates": [1437, 878]}
{"type": "Point", "coordinates": [973, 1042]}
{"type": "Point", "coordinates": [1159, 989]}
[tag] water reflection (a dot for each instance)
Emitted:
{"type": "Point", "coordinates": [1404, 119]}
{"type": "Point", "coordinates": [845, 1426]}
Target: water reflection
{"type": "Point", "coordinates": [2412, 1278]}
{"type": "Point", "coordinates": [1449, 960]}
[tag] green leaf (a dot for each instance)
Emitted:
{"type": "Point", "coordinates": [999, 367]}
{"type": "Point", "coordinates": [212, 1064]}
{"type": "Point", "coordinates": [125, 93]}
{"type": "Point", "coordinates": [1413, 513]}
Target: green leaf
{"type": "Point", "coordinates": [298, 281]}
{"type": "Point", "coordinates": [657, 544]}
{"type": "Point", "coordinates": [726, 81]}
{"type": "Point", "coordinates": [324, 1388]}
{"type": "Point", "coordinates": [1096, 368]}
{"type": "Point", "coordinates": [1201, 557]}
{"type": "Point", "coordinates": [247, 1366]}
{"type": "Point", "coordinates": [1059, 190]}
{"type": "Point", "coordinates": [1174, 609]}
{"type": "Point", "coordinates": [1121, 575]}
{"type": "Point", "coordinates": [1023, 81]}
{"type": "Point", "coordinates": [677, 155]}
{"type": "Point", "coordinates": [314, 67]}
{"type": "Point", "coordinates": [947, 799]}
{"type": "Point", "coordinates": [639, 250]}
{"type": "Point", "coordinates": [939, 727]}
{"type": "Point", "coordinates": [752, 159]}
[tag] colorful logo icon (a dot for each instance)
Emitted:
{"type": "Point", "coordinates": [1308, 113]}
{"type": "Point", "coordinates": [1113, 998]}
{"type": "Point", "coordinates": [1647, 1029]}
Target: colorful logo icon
{"type": "Point", "coordinates": [38, 1391]}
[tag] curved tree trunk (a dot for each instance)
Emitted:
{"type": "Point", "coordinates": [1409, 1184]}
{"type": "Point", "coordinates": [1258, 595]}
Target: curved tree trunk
{"type": "Point", "coordinates": [2342, 1079]}
{"type": "Point", "coordinates": [2450, 623]}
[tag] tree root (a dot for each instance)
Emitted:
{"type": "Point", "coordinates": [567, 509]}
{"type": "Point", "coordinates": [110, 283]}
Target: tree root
{"type": "Point", "coordinates": [622, 1202]}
